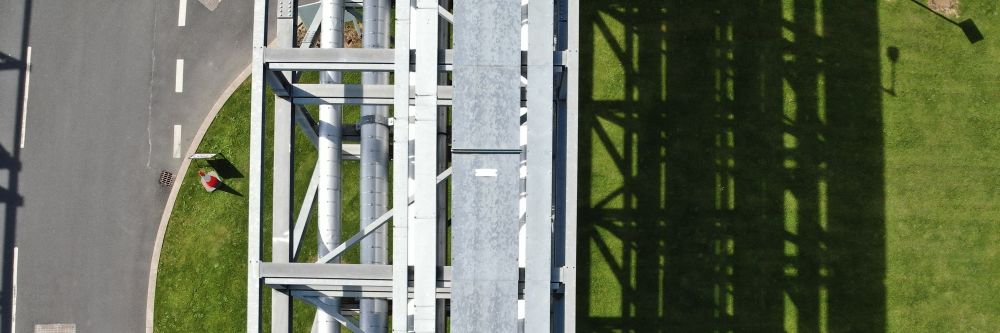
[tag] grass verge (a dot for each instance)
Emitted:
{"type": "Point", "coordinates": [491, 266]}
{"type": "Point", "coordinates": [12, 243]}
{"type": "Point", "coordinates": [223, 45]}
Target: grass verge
{"type": "Point", "coordinates": [201, 284]}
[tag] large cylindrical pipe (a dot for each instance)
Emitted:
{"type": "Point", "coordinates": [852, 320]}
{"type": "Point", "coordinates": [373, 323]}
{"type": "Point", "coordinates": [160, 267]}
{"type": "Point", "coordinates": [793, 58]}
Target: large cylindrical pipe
{"type": "Point", "coordinates": [374, 164]}
{"type": "Point", "coordinates": [330, 147]}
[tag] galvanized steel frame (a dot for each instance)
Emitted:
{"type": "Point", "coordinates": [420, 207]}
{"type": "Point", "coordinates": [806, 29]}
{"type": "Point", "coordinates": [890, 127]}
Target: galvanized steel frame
{"type": "Point", "coordinates": [546, 284]}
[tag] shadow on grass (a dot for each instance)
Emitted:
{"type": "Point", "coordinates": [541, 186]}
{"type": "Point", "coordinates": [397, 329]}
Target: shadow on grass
{"type": "Point", "coordinates": [225, 168]}
{"type": "Point", "coordinates": [734, 180]}
{"type": "Point", "coordinates": [228, 189]}
{"type": "Point", "coordinates": [968, 26]}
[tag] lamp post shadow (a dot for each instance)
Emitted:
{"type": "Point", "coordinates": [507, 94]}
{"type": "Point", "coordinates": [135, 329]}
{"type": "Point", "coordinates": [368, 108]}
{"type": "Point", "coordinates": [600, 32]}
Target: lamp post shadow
{"type": "Point", "coordinates": [968, 26]}
{"type": "Point", "coordinates": [893, 54]}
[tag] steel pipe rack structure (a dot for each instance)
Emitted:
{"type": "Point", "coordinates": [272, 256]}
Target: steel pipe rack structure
{"type": "Point", "coordinates": [473, 104]}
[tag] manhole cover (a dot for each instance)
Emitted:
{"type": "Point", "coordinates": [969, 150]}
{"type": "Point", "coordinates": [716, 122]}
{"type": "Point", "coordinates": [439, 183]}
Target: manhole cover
{"type": "Point", "coordinates": [55, 328]}
{"type": "Point", "coordinates": [166, 179]}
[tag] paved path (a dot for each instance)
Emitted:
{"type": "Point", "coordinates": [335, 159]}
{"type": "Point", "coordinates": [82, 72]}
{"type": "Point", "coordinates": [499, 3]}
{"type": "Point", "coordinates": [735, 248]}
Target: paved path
{"type": "Point", "coordinates": [81, 200]}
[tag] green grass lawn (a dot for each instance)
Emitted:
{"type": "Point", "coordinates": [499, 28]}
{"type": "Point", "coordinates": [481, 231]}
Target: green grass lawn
{"type": "Point", "coordinates": [204, 250]}
{"type": "Point", "coordinates": [758, 166]}
{"type": "Point", "coordinates": [201, 285]}
{"type": "Point", "coordinates": [754, 166]}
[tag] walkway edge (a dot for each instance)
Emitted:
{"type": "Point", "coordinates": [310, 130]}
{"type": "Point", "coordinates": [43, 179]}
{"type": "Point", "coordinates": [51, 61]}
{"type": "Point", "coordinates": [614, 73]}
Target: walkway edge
{"type": "Point", "coordinates": [168, 209]}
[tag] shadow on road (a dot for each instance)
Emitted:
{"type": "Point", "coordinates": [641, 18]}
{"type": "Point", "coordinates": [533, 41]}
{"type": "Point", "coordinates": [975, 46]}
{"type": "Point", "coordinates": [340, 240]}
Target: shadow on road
{"type": "Point", "coordinates": [7, 62]}
{"type": "Point", "coordinates": [733, 180]}
{"type": "Point", "coordinates": [10, 157]}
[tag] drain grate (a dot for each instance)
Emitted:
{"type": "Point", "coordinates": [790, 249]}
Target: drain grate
{"type": "Point", "coordinates": [166, 179]}
{"type": "Point", "coordinates": [55, 328]}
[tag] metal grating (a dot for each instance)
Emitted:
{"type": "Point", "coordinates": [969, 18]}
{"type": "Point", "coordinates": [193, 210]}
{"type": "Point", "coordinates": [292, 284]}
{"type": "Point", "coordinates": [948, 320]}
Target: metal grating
{"type": "Point", "coordinates": [166, 179]}
{"type": "Point", "coordinates": [55, 328]}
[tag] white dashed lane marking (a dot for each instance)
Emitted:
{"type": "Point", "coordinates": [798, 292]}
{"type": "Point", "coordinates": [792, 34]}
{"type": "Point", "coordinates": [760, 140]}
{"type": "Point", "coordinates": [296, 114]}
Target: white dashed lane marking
{"type": "Point", "coordinates": [177, 141]}
{"type": "Point", "coordinates": [179, 80]}
{"type": "Point", "coordinates": [182, 13]}
{"type": "Point", "coordinates": [13, 300]}
{"type": "Point", "coordinates": [24, 103]}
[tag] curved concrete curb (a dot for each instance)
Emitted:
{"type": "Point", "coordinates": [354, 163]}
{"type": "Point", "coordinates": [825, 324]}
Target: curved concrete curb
{"type": "Point", "coordinates": [162, 229]}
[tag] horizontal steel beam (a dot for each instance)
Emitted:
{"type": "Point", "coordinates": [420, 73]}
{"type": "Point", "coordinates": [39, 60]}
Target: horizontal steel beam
{"type": "Point", "coordinates": [330, 271]}
{"type": "Point", "coordinates": [357, 59]}
{"type": "Point", "coordinates": [338, 286]}
{"type": "Point", "coordinates": [441, 293]}
{"type": "Point", "coordinates": [353, 280]}
{"type": "Point", "coordinates": [351, 288]}
{"type": "Point", "coordinates": [368, 288]}
{"type": "Point", "coordinates": [357, 272]}
{"type": "Point", "coordinates": [341, 55]}
{"type": "Point", "coordinates": [329, 66]}
{"type": "Point", "coordinates": [355, 94]}
{"type": "Point", "coordinates": [368, 91]}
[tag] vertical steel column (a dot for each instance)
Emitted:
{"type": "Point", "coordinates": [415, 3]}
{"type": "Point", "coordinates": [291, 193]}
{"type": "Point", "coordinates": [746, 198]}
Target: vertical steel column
{"type": "Point", "coordinates": [485, 156]}
{"type": "Point", "coordinates": [374, 164]}
{"type": "Point", "coordinates": [401, 170]}
{"type": "Point", "coordinates": [256, 173]}
{"type": "Point", "coordinates": [281, 186]}
{"type": "Point", "coordinates": [522, 203]}
{"type": "Point", "coordinates": [540, 94]}
{"type": "Point", "coordinates": [424, 231]}
{"type": "Point", "coordinates": [330, 146]}
{"type": "Point", "coordinates": [571, 156]}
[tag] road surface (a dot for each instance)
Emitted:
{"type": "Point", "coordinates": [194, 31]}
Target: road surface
{"type": "Point", "coordinates": [80, 200]}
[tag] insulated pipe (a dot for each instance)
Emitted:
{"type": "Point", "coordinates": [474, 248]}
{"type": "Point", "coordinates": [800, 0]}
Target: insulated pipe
{"type": "Point", "coordinates": [374, 165]}
{"type": "Point", "coordinates": [330, 146]}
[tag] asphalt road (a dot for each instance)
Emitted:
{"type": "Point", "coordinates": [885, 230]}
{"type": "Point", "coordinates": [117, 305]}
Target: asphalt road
{"type": "Point", "coordinates": [81, 200]}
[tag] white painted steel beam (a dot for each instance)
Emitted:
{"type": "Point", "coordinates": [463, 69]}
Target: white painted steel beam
{"type": "Point", "coordinates": [423, 232]}
{"type": "Point", "coordinates": [377, 59]}
{"type": "Point", "coordinates": [304, 211]}
{"type": "Point", "coordinates": [571, 156]}
{"type": "Point", "coordinates": [446, 15]}
{"type": "Point", "coordinates": [281, 174]}
{"type": "Point", "coordinates": [380, 94]}
{"type": "Point", "coordinates": [314, 25]}
{"type": "Point", "coordinates": [538, 223]}
{"type": "Point", "coordinates": [256, 171]}
{"type": "Point", "coordinates": [302, 118]}
{"type": "Point", "coordinates": [401, 169]}
{"type": "Point", "coordinates": [336, 55]}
